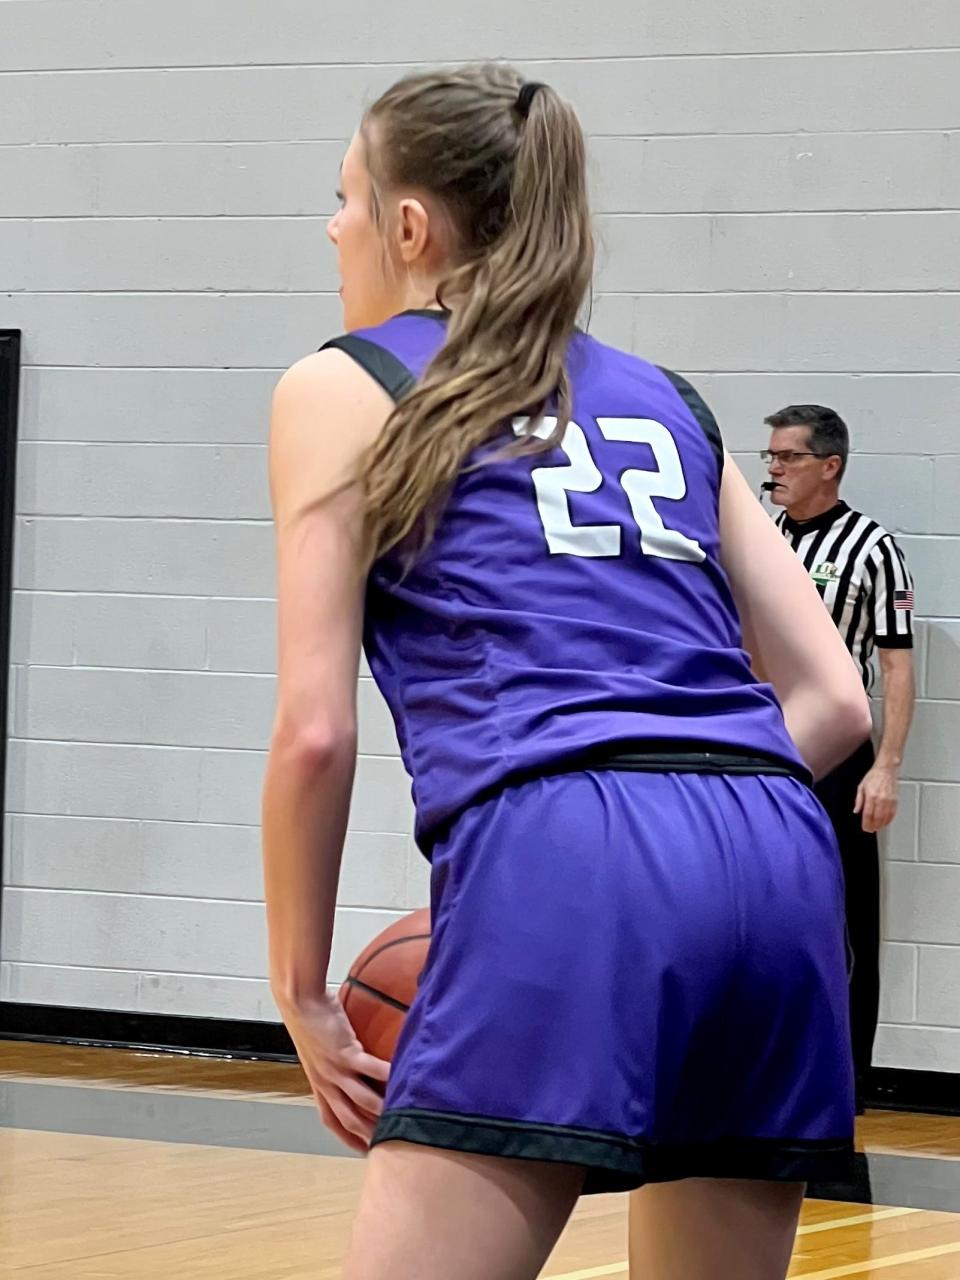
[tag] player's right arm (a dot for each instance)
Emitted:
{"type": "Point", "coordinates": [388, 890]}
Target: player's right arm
{"type": "Point", "coordinates": [790, 633]}
{"type": "Point", "coordinates": [326, 412]}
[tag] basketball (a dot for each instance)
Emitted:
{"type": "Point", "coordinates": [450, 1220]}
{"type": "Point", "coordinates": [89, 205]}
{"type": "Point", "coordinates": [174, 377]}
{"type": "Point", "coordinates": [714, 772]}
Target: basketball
{"type": "Point", "coordinates": [383, 981]}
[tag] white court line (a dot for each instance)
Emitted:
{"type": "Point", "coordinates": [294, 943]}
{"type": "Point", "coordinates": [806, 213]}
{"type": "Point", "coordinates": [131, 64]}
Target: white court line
{"type": "Point", "coordinates": [878, 1264]}
{"type": "Point", "coordinates": [853, 1222]}
{"type": "Point", "coordinates": [614, 1269]}
{"type": "Point", "coordinates": [622, 1268]}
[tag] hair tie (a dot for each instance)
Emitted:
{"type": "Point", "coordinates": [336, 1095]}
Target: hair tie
{"type": "Point", "coordinates": [525, 97]}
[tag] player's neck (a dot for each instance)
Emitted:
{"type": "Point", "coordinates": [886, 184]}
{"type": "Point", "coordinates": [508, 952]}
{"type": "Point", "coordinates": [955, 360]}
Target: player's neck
{"type": "Point", "coordinates": [814, 506]}
{"type": "Point", "coordinates": [421, 294]}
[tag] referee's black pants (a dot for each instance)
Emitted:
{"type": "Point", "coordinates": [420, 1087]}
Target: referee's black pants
{"type": "Point", "coordinates": [861, 872]}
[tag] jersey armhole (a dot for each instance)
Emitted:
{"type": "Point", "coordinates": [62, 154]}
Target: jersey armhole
{"type": "Point", "coordinates": [700, 410]}
{"type": "Point", "coordinates": [382, 365]}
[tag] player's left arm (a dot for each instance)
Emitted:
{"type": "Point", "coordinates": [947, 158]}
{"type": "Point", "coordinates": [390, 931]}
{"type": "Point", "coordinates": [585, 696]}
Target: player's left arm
{"type": "Point", "coordinates": [892, 606]}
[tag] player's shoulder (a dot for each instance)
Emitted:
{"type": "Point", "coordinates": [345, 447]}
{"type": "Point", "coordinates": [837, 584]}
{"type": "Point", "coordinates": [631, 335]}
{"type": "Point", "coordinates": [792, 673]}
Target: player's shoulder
{"type": "Point", "coordinates": [591, 350]}
{"type": "Point", "coordinates": [658, 383]}
{"type": "Point", "coordinates": [324, 375]}
{"type": "Point", "coordinates": [325, 413]}
{"type": "Point", "coordinates": [324, 409]}
{"type": "Point", "coordinates": [395, 352]}
{"type": "Point", "coordinates": [697, 406]}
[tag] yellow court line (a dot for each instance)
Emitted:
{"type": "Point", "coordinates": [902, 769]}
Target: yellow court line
{"type": "Point", "coordinates": [835, 1223]}
{"type": "Point", "coordinates": [878, 1264]}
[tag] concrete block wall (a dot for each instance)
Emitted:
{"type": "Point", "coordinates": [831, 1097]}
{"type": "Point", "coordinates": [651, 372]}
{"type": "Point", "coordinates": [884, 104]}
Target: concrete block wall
{"type": "Point", "coordinates": [778, 200]}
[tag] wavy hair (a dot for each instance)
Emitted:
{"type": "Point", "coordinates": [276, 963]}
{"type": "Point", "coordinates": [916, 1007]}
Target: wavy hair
{"type": "Point", "coordinates": [510, 174]}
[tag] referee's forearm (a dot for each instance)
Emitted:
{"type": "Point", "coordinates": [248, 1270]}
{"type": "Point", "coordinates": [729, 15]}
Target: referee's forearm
{"type": "Point", "coordinates": [899, 695]}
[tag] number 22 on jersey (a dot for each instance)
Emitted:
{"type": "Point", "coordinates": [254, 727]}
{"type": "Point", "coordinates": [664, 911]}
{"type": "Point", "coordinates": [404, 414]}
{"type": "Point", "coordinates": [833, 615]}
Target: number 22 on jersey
{"type": "Point", "coordinates": [580, 474]}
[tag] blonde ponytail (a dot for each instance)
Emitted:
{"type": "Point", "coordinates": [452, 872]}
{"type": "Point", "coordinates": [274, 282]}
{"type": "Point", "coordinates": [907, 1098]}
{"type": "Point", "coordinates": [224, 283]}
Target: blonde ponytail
{"type": "Point", "coordinates": [510, 170]}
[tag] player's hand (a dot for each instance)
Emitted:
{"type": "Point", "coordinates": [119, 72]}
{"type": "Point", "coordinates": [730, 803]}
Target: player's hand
{"type": "Point", "coordinates": [877, 798]}
{"type": "Point", "coordinates": [341, 1073]}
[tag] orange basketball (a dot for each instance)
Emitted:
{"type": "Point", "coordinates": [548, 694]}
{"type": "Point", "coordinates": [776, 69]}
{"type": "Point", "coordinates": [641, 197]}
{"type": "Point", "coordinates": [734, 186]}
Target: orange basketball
{"type": "Point", "coordinates": [383, 981]}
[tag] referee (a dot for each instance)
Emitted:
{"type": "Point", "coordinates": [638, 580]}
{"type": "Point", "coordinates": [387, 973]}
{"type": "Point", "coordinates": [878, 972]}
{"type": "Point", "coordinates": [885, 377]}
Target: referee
{"type": "Point", "coordinates": [862, 576]}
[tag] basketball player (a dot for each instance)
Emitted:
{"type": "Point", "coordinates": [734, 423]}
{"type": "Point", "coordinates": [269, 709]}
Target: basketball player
{"type": "Point", "coordinates": [636, 978]}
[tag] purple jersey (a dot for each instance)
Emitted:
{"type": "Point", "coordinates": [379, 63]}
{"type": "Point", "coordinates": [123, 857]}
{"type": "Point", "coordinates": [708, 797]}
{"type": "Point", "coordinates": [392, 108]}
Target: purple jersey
{"type": "Point", "coordinates": [572, 606]}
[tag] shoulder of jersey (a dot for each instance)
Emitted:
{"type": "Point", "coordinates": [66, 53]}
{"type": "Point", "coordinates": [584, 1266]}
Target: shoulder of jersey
{"type": "Point", "coordinates": [385, 350]}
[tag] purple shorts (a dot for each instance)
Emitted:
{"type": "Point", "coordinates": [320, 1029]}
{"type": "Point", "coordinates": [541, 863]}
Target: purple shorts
{"type": "Point", "coordinates": [640, 973]}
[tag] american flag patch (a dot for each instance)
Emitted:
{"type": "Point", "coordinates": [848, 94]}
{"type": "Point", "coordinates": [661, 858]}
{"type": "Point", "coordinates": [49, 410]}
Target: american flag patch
{"type": "Point", "coordinates": [903, 599]}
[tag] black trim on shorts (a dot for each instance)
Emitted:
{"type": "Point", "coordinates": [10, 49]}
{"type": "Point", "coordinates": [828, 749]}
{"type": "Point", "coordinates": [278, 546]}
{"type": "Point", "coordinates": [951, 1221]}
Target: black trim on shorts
{"type": "Point", "coordinates": [692, 398]}
{"type": "Point", "coordinates": [666, 755]}
{"type": "Point", "coordinates": [614, 1162]}
{"type": "Point", "coordinates": [382, 365]}
{"type": "Point", "coordinates": [723, 761]}
{"type": "Point", "coordinates": [660, 755]}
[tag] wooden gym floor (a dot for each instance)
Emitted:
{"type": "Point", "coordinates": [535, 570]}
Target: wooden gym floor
{"type": "Point", "coordinates": [115, 1165]}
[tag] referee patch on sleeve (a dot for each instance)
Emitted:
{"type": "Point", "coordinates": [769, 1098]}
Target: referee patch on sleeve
{"type": "Point", "coordinates": [903, 599]}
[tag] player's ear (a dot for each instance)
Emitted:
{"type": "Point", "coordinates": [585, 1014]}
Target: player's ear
{"type": "Point", "coordinates": [413, 229]}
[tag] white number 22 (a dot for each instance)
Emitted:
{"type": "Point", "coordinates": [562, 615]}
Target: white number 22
{"type": "Point", "coordinates": [582, 475]}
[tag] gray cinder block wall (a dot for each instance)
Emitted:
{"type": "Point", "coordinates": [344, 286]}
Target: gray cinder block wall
{"type": "Point", "coordinates": [778, 199]}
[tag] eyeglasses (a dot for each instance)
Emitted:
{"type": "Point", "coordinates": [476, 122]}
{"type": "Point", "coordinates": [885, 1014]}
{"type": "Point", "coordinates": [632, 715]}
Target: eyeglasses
{"type": "Point", "coordinates": [786, 457]}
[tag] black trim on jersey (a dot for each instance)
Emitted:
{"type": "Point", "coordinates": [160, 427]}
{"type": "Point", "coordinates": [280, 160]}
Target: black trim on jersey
{"type": "Point", "coordinates": [616, 1162]}
{"type": "Point", "coordinates": [823, 521]}
{"type": "Point", "coordinates": [907, 586]}
{"type": "Point", "coordinates": [429, 313]}
{"type": "Point", "coordinates": [797, 532]}
{"type": "Point", "coordinates": [382, 365]}
{"type": "Point", "coordinates": [897, 639]}
{"type": "Point", "coordinates": [692, 398]}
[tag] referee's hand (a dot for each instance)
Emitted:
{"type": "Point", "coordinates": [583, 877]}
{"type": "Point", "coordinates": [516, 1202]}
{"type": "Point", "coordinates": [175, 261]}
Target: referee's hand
{"type": "Point", "coordinates": [877, 798]}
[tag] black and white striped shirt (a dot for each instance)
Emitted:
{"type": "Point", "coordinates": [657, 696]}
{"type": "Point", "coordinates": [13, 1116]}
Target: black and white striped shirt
{"type": "Point", "coordinates": [862, 576]}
